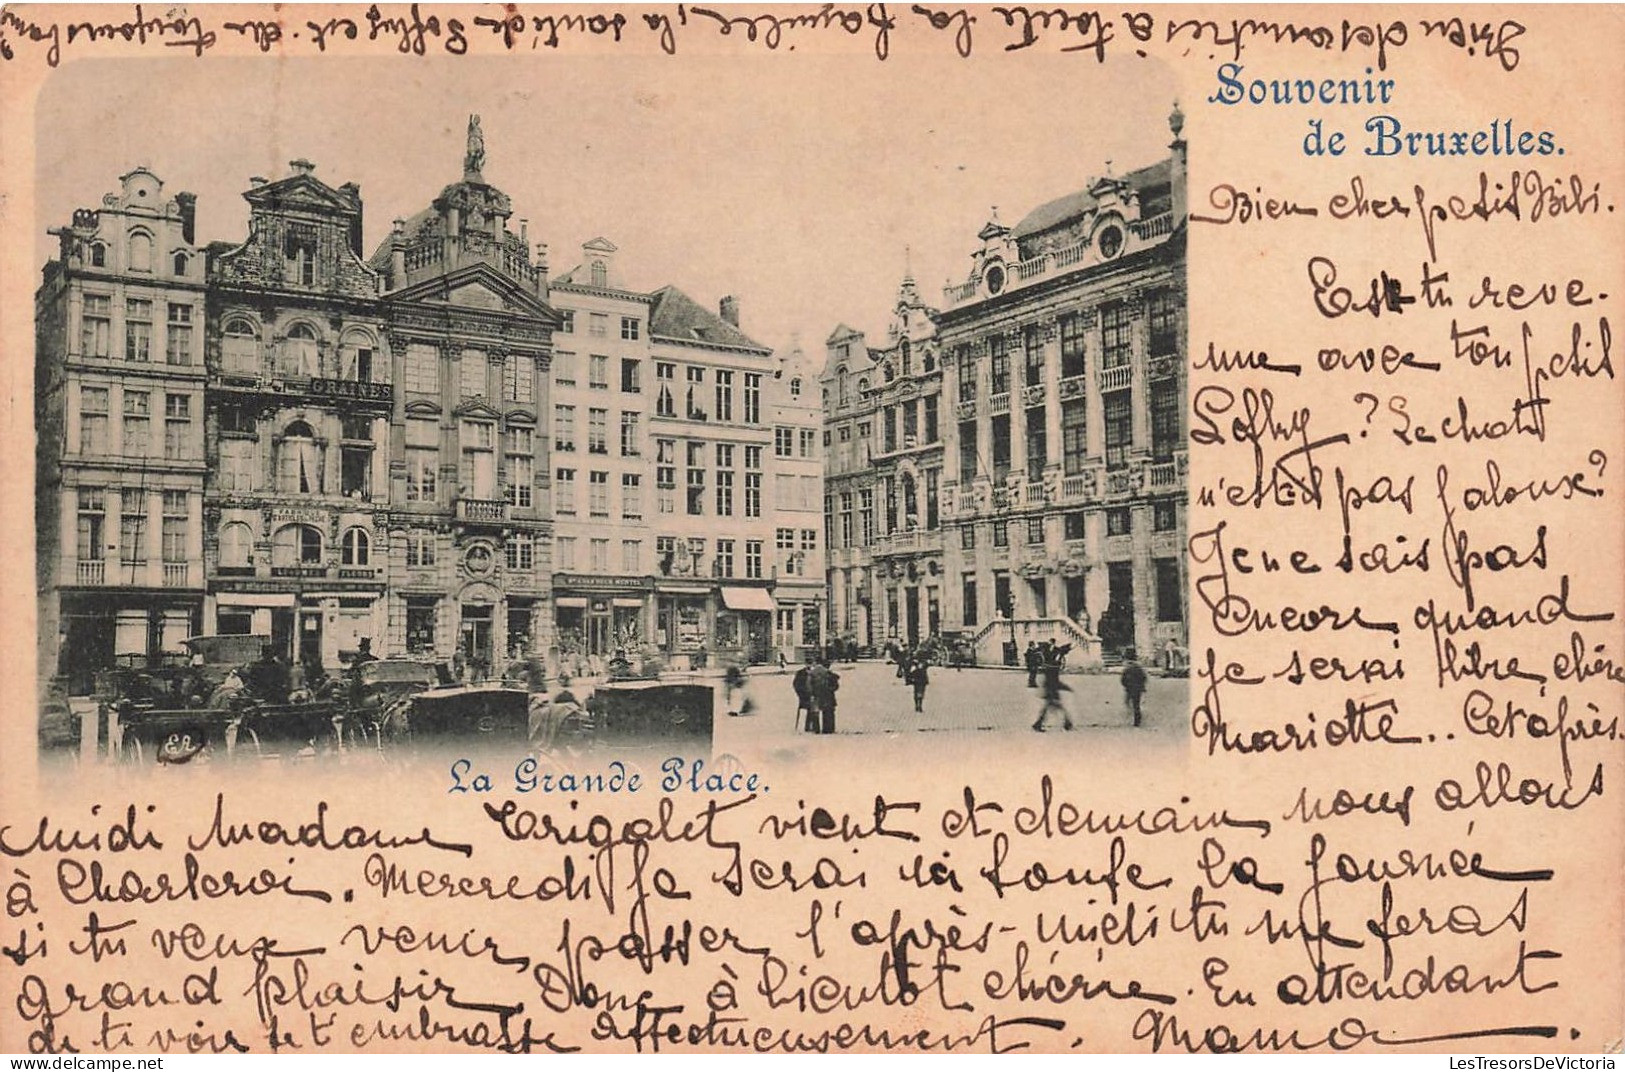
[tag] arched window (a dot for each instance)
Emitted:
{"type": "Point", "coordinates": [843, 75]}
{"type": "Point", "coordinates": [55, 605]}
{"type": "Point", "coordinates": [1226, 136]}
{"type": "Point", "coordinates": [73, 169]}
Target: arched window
{"type": "Point", "coordinates": [929, 360]}
{"type": "Point", "coordinates": [600, 274]}
{"type": "Point", "coordinates": [911, 516]}
{"type": "Point", "coordinates": [795, 387]}
{"type": "Point", "coordinates": [296, 545]}
{"type": "Point", "coordinates": [842, 389]}
{"type": "Point", "coordinates": [356, 360]}
{"type": "Point", "coordinates": [356, 550]}
{"type": "Point", "coordinates": [236, 546]}
{"type": "Point", "coordinates": [908, 357]}
{"type": "Point", "coordinates": [181, 262]}
{"type": "Point", "coordinates": [140, 251]}
{"type": "Point", "coordinates": [299, 460]}
{"type": "Point", "coordinates": [300, 356]}
{"type": "Point", "coordinates": [863, 386]}
{"type": "Point", "coordinates": [98, 255]}
{"type": "Point", "coordinates": [240, 350]}
{"type": "Point", "coordinates": [888, 372]}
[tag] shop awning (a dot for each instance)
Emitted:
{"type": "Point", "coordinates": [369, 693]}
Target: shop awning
{"type": "Point", "coordinates": [747, 599]}
{"type": "Point", "coordinates": [569, 601]}
{"type": "Point", "coordinates": [622, 601]}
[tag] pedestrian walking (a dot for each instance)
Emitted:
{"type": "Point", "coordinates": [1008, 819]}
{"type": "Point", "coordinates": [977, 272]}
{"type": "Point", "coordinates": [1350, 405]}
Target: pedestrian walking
{"type": "Point", "coordinates": [919, 677]}
{"type": "Point", "coordinates": [733, 689]}
{"type": "Point", "coordinates": [1053, 687]}
{"type": "Point", "coordinates": [1035, 663]}
{"type": "Point", "coordinates": [1133, 679]}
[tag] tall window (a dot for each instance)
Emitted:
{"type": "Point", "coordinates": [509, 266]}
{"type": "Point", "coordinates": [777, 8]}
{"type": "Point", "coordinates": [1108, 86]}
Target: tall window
{"type": "Point", "coordinates": [1119, 413]}
{"type": "Point", "coordinates": [631, 436]}
{"type": "Point", "coordinates": [631, 497]}
{"type": "Point", "coordinates": [355, 549]}
{"type": "Point", "coordinates": [172, 545]}
{"type": "Point", "coordinates": [784, 543]}
{"type": "Point", "coordinates": [598, 372]}
{"type": "Point", "coordinates": [564, 428]}
{"type": "Point", "coordinates": [1166, 435]}
{"type": "Point", "coordinates": [631, 375]}
{"type": "Point", "coordinates": [1072, 345]}
{"type": "Point", "coordinates": [178, 428]}
{"type": "Point", "coordinates": [137, 423]}
{"type": "Point", "coordinates": [178, 335]}
{"type": "Point", "coordinates": [519, 552]}
{"type": "Point", "coordinates": [140, 251]}
{"type": "Point", "coordinates": [696, 393]}
{"type": "Point", "coordinates": [968, 456]}
{"type": "Point", "coordinates": [1116, 336]}
{"type": "Point", "coordinates": [92, 539]}
{"type": "Point", "coordinates": [968, 599]}
{"type": "Point", "coordinates": [597, 431]}
{"type": "Point", "coordinates": [422, 460]}
{"type": "Point", "coordinates": [1000, 427]}
{"type": "Point", "coordinates": [631, 556]}
{"type": "Point", "coordinates": [564, 369]}
{"type": "Point", "coordinates": [356, 358]}
{"type": "Point", "coordinates": [519, 378]}
{"type": "Point", "coordinates": [299, 252]}
{"type": "Point", "coordinates": [598, 493]}
{"type": "Point", "coordinates": [930, 418]}
{"type": "Point", "coordinates": [723, 564]}
{"type": "Point", "coordinates": [355, 459]}
{"type": "Point", "coordinates": [132, 529]}
{"type": "Point", "coordinates": [137, 330]}
{"type": "Point", "coordinates": [240, 347]}
{"type": "Point", "coordinates": [599, 561]}
{"type": "Point", "coordinates": [236, 546]}
{"type": "Point", "coordinates": [1170, 593]}
{"type": "Point", "coordinates": [299, 353]}
{"type": "Point", "coordinates": [866, 516]}
{"type": "Point", "coordinates": [629, 327]}
{"type": "Point", "coordinates": [422, 369]}
{"type": "Point", "coordinates": [666, 474]}
{"type": "Point", "coordinates": [696, 478]}
{"type": "Point", "coordinates": [725, 480]}
{"type": "Point", "coordinates": [753, 398]}
{"type": "Point", "coordinates": [966, 364]}
{"type": "Point", "coordinates": [846, 519]}
{"type": "Point", "coordinates": [889, 425]}
{"type": "Point", "coordinates": [911, 425]}
{"type": "Point", "coordinates": [237, 464]}
{"type": "Point", "coordinates": [299, 460]}
{"type": "Point", "coordinates": [96, 325]}
{"type": "Point", "coordinates": [564, 550]}
{"type": "Point", "coordinates": [296, 546]}
{"type": "Point", "coordinates": [420, 549]}
{"type": "Point", "coordinates": [1032, 340]}
{"type": "Point", "coordinates": [479, 459]}
{"type": "Point", "coordinates": [521, 467]}
{"type": "Point", "coordinates": [753, 560]}
{"type": "Point", "coordinates": [998, 364]}
{"type": "Point", "coordinates": [564, 491]}
{"type": "Point", "coordinates": [753, 493]}
{"type": "Point", "coordinates": [600, 276]}
{"type": "Point", "coordinates": [1162, 311]}
{"type": "Point", "coordinates": [725, 395]}
{"type": "Point", "coordinates": [665, 373]}
{"type": "Point", "coordinates": [1037, 443]}
{"type": "Point", "coordinates": [931, 508]}
{"type": "Point", "coordinates": [476, 371]}
{"type": "Point", "coordinates": [1074, 441]}
{"type": "Point", "coordinates": [784, 442]}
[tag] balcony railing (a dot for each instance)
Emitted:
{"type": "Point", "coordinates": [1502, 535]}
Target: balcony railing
{"type": "Point", "coordinates": [1115, 379]}
{"type": "Point", "coordinates": [1155, 227]}
{"type": "Point", "coordinates": [175, 574]}
{"type": "Point", "coordinates": [487, 510]}
{"type": "Point", "coordinates": [92, 572]}
{"type": "Point", "coordinates": [999, 403]}
{"type": "Point", "coordinates": [1164, 475]}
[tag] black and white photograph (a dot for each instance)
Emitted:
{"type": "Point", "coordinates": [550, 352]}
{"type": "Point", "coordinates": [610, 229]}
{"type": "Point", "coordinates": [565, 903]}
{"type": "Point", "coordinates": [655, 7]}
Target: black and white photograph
{"type": "Point", "coordinates": [590, 414]}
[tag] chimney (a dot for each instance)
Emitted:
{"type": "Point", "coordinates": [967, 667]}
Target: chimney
{"type": "Point", "coordinates": [352, 190]}
{"type": "Point", "coordinates": [188, 207]}
{"type": "Point", "coordinates": [397, 254]}
{"type": "Point", "coordinates": [728, 309]}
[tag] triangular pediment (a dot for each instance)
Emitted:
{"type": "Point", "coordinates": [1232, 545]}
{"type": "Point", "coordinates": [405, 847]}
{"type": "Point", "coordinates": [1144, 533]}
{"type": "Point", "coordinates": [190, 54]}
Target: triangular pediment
{"type": "Point", "coordinates": [301, 192]}
{"type": "Point", "coordinates": [476, 286]}
{"type": "Point", "coordinates": [479, 409]}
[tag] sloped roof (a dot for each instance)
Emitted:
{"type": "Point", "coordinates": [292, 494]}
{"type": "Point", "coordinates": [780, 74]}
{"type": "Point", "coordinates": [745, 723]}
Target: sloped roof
{"type": "Point", "coordinates": [842, 331]}
{"type": "Point", "coordinates": [1056, 212]}
{"type": "Point", "coordinates": [675, 315]}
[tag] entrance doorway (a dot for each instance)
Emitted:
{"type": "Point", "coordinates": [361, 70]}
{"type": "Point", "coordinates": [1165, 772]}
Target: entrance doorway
{"type": "Point", "coordinates": [598, 632]}
{"type": "Point", "coordinates": [911, 614]}
{"type": "Point", "coordinates": [1117, 623]}
{"type": "Point", "coordinates": [475, 639]}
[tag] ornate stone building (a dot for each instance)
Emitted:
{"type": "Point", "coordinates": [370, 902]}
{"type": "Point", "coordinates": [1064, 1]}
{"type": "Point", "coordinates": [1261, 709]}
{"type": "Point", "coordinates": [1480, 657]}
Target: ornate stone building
{"type": "Point", "coordinates": [297, 414]}
{"type": "Point", "coordinates": [119, 420]}
{"type": "Point", "coordinates": [467, 528]}
{"type": "Point", "coordinates": [1065, 347]}
{"type": "Point", "coordinates": [883, 436]}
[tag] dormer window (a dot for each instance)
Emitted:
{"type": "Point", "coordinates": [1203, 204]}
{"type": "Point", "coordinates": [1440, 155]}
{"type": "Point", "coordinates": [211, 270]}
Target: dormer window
{"type": "Point", "coordinates": [98, 255]}
{"type": "Point", "coordinates": [140, 251]}
{"type": "Point", "coordinates": [180, 264]}
{"type": "Point", "coordinates": [600, 274]}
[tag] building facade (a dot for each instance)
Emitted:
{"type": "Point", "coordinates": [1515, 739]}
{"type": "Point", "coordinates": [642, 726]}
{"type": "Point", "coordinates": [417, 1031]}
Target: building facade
{"type": "Point", "coordinates": [119, 418]}
{"type": "Point", "coordinates": [603, 391]}
{"type": "Point", "coordinates": [297, 409]}
{"type": "Point", "coordinates": [883, 432]}
{"type": "Point", "coordinates": [799, 546]}
{"type": "Point", "coordinates": [467, 534]}
{"type": "Point", "coordinates": [1064, 504]}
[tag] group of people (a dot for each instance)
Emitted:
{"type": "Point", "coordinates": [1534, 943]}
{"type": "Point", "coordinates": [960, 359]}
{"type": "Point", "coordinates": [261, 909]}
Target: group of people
{"type": "Point", "coordinates": [815, 685]}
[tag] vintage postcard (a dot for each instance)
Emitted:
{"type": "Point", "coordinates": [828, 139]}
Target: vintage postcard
{"type": "Point", "coordinates": [812, 528]}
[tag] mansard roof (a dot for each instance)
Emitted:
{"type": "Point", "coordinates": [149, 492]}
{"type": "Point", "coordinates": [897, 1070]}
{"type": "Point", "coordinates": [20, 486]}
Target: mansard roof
{"type": "Point", "coordinates": [1063, 209]}
{"type": "Point", "coordinates": [676, 316]}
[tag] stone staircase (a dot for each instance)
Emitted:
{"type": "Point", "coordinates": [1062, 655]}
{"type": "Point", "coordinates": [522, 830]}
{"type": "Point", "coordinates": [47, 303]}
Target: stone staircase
{"type": "Point", "coordinates": [991, 639]}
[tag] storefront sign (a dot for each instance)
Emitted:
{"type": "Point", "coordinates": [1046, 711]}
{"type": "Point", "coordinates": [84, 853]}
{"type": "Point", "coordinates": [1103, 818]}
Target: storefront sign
{"type": "Point", "coordinates": [363, 392]}
{"type": "Point", "coordinates": [597, 581]}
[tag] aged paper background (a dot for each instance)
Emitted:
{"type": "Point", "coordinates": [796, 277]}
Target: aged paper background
{"type": "Point", "coordinates": [1493, 889]}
